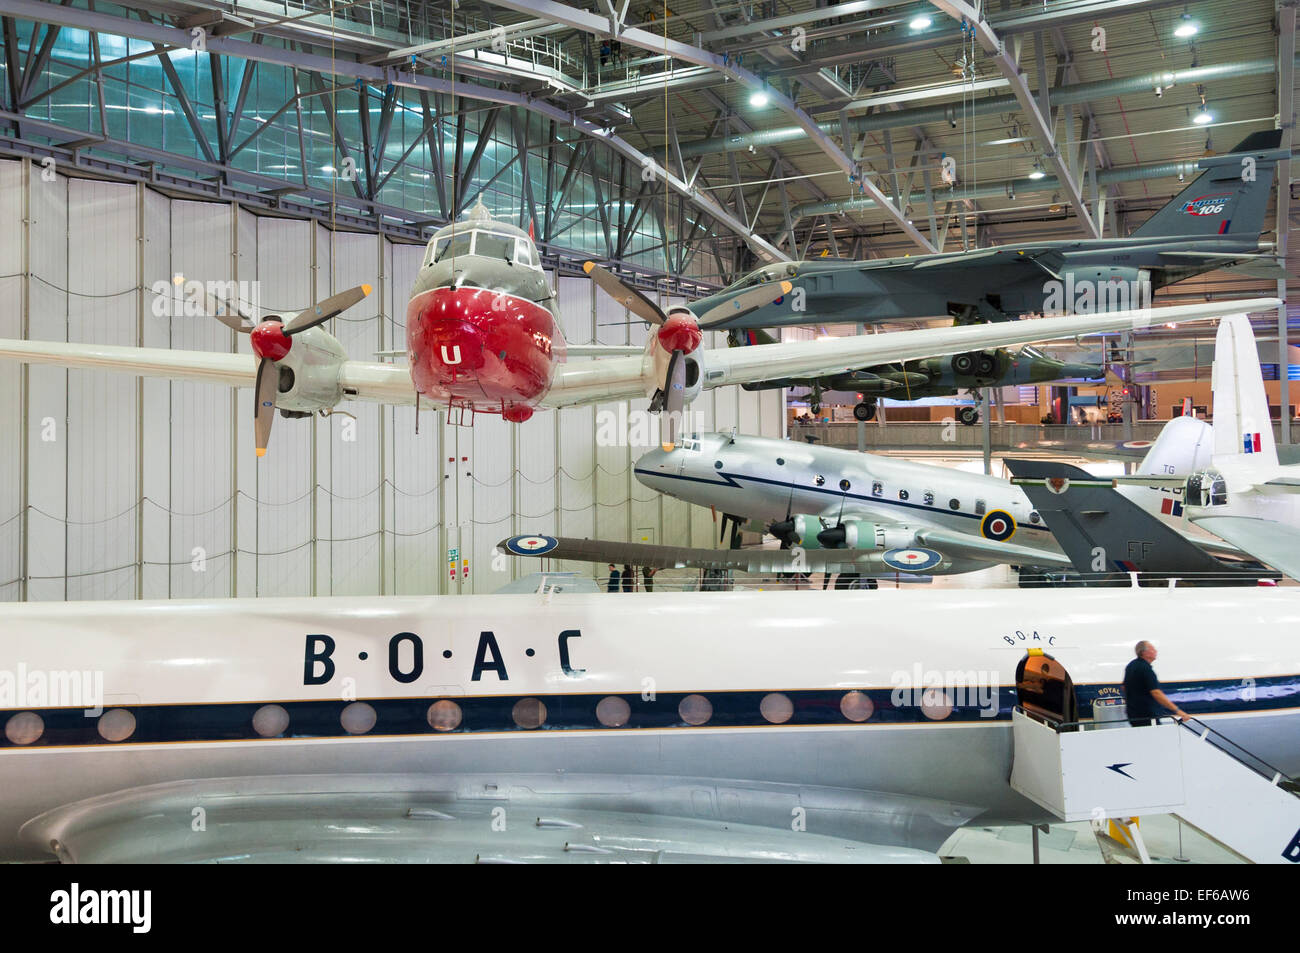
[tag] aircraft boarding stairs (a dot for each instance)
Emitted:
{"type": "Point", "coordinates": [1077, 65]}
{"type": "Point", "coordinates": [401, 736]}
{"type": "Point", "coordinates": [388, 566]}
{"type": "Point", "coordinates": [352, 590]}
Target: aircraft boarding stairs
{"type": "Point", "coordinates": [1105, 769]}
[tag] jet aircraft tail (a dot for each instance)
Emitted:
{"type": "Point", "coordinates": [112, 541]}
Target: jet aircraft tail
{"type": "Point", "coordinates": [1229, 198]}
{"type": "Point", "coordinates": [1243, 427]}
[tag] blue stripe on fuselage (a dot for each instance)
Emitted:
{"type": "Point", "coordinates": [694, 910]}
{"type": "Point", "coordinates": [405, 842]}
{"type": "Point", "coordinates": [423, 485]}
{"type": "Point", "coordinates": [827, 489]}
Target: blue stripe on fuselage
{"type": "Point", "coordinates": [729, 480]}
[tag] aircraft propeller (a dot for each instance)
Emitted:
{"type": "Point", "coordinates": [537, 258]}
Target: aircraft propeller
{"type": "Point", "coordinates": [679, 332]}
{"type": "Point", "coordinates": [271, 339]}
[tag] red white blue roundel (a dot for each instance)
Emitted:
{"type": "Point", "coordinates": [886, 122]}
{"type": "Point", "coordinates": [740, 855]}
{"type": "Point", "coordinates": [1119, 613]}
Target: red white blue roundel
{"type": "Point", "coordinates": [1137, 444]}
{"type": "Point", "coordinates": [531, 545]}
{"type": "Point", "coordinates": [998, 525]}
{"type": "Point", "coordinates": [912, 560]}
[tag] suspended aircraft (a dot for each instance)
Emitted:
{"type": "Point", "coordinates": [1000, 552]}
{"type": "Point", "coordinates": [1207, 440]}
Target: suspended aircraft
{"type": "Point", "coordinates": [1245, 495]}
{"type": "Point", "coordinates": [1213, 223]}
{"type": "Point", "coordinates": [484, 336]}
{"type": "Point", "coordinates": [929, 377]}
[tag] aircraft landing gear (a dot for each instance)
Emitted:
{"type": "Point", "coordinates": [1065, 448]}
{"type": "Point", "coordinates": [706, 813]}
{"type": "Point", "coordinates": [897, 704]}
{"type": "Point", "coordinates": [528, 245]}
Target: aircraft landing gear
{"type": "Point", "coordinates": [969, 416]}
{"type": "Point", "coordinates": [864, 410]}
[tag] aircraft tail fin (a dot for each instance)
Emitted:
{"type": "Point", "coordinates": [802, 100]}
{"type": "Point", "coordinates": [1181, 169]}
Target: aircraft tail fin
{"type": "Point", "coordinates": [1229, 198]}
{"type": "Point", "coordinates": [1242, 423]}
{"type": "Point", "coordinates": [1185, 444]}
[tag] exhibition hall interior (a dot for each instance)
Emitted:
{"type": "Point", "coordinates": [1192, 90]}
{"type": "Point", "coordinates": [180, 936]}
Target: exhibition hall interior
{"type": "Point", "coordinates": [604, 431]}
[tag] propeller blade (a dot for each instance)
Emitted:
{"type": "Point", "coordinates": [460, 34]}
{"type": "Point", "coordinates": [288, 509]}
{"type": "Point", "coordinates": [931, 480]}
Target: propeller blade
{"type": "Point", "coordinates": [744, 303]}
{"type": "Point", "coordinates": [268, 385]}
{"type": "Point", "coordinates": [628, 297]}
{"type": "Point", "coordinates": [674, 397]}
{"type": "Point", "coordinates": [329, 308]}
{"type": "Point", "coordinates": [228, 313]}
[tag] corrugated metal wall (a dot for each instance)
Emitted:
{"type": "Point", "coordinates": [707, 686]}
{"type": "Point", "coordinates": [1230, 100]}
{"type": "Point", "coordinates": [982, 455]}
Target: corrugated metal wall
{"type": "Point", "coordinates": [116, 488]}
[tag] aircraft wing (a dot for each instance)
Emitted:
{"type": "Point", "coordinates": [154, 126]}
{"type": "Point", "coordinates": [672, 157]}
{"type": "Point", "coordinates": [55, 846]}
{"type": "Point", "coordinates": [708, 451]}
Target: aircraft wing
{"type": "Point", "coordinates": [447, 818]}
{"type": "Point", "coordinates": [603, 350]}
{"type": "Point", "coordinates": [841, 355]}
{"type": "Point", "coordinates": [1269, 542]}
{"type": "Point", "coordinates": [361, 380]}
{"type": "Point", "coordinates": [1255, 266]}
{"type": "Point", "coordinates": [977, 547]}
{"type": "Point", "coordinates": [687, 557]}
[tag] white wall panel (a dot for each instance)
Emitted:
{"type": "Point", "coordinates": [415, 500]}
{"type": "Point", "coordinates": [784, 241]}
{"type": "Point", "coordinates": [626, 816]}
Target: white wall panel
{"type": "Point", "coordinates": [47, 404]}
{"type": "Point", "coordinates": [353, 479]}
{"type": "Point", "coordinates": [201, 452]}
{"type": "Point", "coordinates": [156, 521]}
{"type": "Point", "coordinates": [102, 433]}
{"type": "Point", "coordinates": [13, 241]}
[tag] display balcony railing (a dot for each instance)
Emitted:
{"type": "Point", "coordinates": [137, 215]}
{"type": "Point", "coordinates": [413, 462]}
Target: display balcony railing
{"type": "Point", "coordinates": [939, 436]}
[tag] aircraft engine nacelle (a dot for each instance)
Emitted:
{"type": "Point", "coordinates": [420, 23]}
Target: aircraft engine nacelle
{"type": "Point", "coordinates": [851, 534]}
{"type": "Point", "coordinates": [1090, 290]}
{"type": "Point", "coordinates": [309, 373]}
{"type": "Point", "coordinates": [694, 362]}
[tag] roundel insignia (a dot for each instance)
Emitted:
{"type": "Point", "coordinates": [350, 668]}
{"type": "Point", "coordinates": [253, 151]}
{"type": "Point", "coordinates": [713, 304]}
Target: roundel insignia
{"type": "Point", "coordinates": [912, 560]}
{"type": "Point", "coordinates": [998, 525]}
{"type": "Point", "coordinates": [531, 545]}
{"type": "Point", "coordinates": [1137, 444]}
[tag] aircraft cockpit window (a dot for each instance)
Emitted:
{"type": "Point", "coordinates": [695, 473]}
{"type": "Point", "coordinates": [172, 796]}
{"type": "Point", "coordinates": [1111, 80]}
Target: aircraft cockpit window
{"type": "Point", "coordinates": [453, 246]}
{"type": "Point", "coordinates": [1218, 491]}
{"type": "Point", "coordinates": [691, 444]}
{"type": "Point", "coordinates": [525, 254]}
{"type": "Point", "coordinates": [492, 245]}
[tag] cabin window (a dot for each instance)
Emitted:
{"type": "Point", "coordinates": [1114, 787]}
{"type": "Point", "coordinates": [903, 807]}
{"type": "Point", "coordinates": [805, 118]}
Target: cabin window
{"type": "Point", "coordinates": [695, 709]}
{"type": "Point", "coordinates": [979, 507]}
{"type": "Point", "coordinates": [928, 499]}
{"type": "Point", "coordinates": [877, 488]}
{"type": "Point", "coordinates": [820, 480]}
{"type": "Point", "coordinates": [954, 504]}
{"type": "Point", "coordinates": [1034, 517]}
{"type": "Point", "coordinates": [717, 464]}
{"type": "Point", "coordinates": [780, 461]}
{"type": "Point", "coordinates": [902, 494]}
{"type": "Point", "coordinates": [844, 485]}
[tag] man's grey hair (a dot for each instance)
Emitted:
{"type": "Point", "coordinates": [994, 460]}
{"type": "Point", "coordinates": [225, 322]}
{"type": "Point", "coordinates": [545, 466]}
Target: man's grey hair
{"type": "Point", "coordinates": [1141, 647]}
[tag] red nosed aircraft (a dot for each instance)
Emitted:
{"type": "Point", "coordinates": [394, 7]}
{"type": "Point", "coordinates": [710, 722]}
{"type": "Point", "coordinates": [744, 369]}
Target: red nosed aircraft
{"type": "Point", "coordinates": [483, 336]}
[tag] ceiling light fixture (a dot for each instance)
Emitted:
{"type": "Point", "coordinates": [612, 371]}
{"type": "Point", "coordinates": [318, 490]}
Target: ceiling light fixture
{"type": "Point", "coordinates": [920, 22]}
{"type": "Point", "coordinates": [1187, 27]}
{"type": "Point", "coordinates": [1038, 172]}
{"type": "Point", "coordinates": [758, 99]}
{"type": "Point", "coordinates": [1203, 116]}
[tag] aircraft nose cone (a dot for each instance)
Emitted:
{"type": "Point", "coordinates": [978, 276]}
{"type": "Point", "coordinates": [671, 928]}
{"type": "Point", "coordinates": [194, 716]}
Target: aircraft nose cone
{"type": "Point", "coordinates": [268, 340]}
{"type": "Point", "coordinates": [681, 332]}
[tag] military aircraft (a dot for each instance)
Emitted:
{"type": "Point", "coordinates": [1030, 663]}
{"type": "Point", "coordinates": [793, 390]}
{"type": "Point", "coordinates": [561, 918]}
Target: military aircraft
{"type": "Point", "coordinates": [1245, 495]}
{"type": "Point", "coordinates": [930, 376]}
{"type": "Point", "coordinates": [1109, 537]}
{"type": "Point", "coordinates": [889, 515]}
{"type": "Point", "coordinates": [1214, 223]}
{"type": "Point", "coordinates": [484, 336]}
{"type": "Point", "coordinates": [599, 728]}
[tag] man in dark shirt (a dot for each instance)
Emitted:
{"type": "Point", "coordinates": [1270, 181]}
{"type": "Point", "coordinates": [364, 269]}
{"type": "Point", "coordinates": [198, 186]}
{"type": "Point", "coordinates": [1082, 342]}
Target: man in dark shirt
{"type": "Point", "coordinates": [1142, 694]}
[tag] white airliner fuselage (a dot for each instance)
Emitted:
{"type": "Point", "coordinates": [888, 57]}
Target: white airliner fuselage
{"type": "Point", "coordinates": [422, 716]}
{"type": "Point", "coordinates": [890, 502]}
